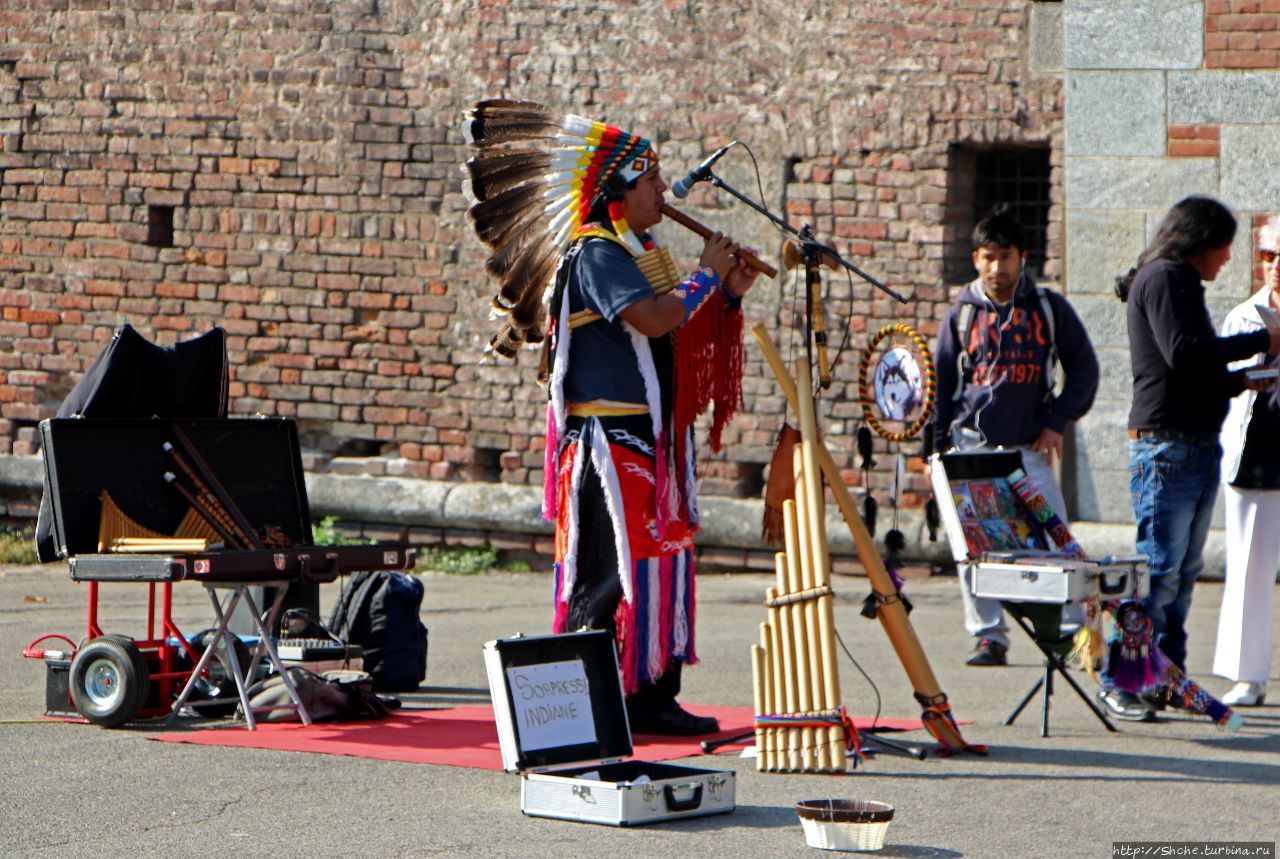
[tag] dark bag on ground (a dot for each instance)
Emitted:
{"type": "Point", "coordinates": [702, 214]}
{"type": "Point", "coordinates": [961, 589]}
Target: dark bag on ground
{"type": "Point", "coordinates": [380, 612]}
{"type": "Point", "coordinates": [337, 699]}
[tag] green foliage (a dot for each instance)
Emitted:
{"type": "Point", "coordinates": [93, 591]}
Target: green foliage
{"type": "Point", "coordinates": [325, 533]}
{"type": "Point", "coordinates": [18, 545]}
{"type": "Point", "coordinates": [459, 561]}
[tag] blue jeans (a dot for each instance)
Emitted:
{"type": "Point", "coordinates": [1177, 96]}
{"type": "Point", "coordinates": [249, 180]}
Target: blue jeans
{"type": "Point", "coordinates": [1172, 486]}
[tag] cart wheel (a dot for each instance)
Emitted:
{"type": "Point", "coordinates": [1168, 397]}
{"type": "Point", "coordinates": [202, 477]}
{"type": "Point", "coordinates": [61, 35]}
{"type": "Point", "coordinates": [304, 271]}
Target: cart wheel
{"type": "Point", "coordinates": [107, 684]}
{"type": "Point", "coordinates": [140, 663]}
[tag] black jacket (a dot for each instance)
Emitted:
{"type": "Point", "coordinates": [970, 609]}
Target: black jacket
{"type": "Point", "coordinates": [1180, 377]}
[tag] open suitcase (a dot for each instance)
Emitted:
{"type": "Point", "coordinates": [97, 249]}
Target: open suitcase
{"type": "Point", "coordinates": [1014, 555]}
{"type": "Point", "coordinates": [562, 724]}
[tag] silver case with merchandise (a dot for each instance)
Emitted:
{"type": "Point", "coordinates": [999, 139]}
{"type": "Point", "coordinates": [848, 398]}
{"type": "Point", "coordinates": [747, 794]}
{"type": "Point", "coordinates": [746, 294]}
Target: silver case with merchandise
{"type": "Point", "coordinates": [1060, 582]}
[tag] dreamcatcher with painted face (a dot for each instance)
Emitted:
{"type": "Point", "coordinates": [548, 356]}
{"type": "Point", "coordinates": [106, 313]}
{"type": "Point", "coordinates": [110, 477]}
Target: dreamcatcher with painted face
{"type": "Point", "coordinates": [896, 385]}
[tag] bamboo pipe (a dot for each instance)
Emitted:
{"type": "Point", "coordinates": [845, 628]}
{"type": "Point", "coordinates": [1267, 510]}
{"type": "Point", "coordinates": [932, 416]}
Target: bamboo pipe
{"type": "Point", "coordinates": [587, 316]}
{"type": "Point", "coordinates": [787, 701]}
{"type": "Point", "coordinates": [805, 517]}
{"type": "Point", "coordinates": [801, 742]}
{"type": "Point", "coordinates": [831, 676]}
{"type": "Point", "coordinates": [779, 648]}
{"type": "Point", "coordinates": [159, 544]}
{"type": "Point", "coordinates": [813, 675]}
{"type": "Point", "coordinates": [776, 691]}
{"type": "Point", "coordinates": [757, 678]}
{"type": "Point", "coordinates": [704, 231]}
{"type": "Point", "coordinates": [807, 453]}
{"type": "Point", "coordinates": [766, 636]}
{"type": "Point", "coordinates": [772, 666]}
{"type": "Point", "coordinates": [893, 616]}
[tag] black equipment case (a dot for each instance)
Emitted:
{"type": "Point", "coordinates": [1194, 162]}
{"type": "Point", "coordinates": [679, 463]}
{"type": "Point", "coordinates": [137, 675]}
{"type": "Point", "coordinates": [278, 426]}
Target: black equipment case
{"type": "Point", "coordinates": [257, 467]}
{"type": "Point", "coordinates": [259, 463]}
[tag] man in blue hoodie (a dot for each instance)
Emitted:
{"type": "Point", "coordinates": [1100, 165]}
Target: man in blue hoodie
{"type": "Point", "coordinates": [998, 352]}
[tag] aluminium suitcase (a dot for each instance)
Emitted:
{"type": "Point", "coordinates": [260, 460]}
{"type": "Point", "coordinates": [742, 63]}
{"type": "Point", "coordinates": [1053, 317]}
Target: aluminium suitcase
{"type": "Point", "coordinates": [562, 724]}
{"type": "Point", "coordinates": [1060, 581]}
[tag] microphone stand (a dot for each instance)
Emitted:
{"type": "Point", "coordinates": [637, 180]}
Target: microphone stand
{"type": "Point", "coordinates": [815, 254]}
{"type": "Point", "coordinates": [803, 237]}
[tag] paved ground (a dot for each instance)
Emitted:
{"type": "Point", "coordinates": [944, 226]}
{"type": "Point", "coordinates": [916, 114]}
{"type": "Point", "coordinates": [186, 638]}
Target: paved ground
{"type": "Point", "coordinates": [73, 790]}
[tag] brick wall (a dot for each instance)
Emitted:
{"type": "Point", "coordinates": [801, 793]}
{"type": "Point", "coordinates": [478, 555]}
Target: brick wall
{"type": "Point", "coordinates": [309, 150]}
{"type": "Point", "coordinates": [1242, 34]}
{"type": "Point", "coordinates": [1194, 141]}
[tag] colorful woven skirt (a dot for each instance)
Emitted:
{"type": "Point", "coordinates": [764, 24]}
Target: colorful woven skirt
{"type": "Point", "coordinates": [615, 568]}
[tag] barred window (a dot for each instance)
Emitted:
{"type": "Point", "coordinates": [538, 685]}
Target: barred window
{"type": "Point", "coordinates": [982, 177]}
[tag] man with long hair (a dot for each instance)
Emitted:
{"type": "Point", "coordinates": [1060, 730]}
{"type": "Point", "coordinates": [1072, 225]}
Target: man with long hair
{"type": "Point", "coordinates": [1182, 385]}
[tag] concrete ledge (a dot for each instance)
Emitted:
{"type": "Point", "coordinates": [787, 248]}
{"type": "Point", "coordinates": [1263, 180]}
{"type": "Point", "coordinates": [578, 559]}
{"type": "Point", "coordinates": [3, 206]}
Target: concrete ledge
{"type": "Point", "coordinates": [21, 474]}
{"type": "Point", "coordinates": [495, 508]}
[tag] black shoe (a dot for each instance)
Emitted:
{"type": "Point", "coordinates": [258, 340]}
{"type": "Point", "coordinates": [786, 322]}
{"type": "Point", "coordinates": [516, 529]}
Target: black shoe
{"type": "Point", "coordinates": [1159, 700]}
{"type": "Point", "coordinates": [987, 653]}
{"type": "Point", "coordinates": [1126, 706]}
{"type": "Point", "coordinates": [671, 719]}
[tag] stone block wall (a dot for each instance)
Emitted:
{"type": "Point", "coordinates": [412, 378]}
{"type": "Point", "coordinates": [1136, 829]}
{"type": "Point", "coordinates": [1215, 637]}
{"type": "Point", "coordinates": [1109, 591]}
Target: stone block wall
{"type": "Point", "coordinates": [1164, 98]}
{"type": "Point", "coordinates": [307, 152]}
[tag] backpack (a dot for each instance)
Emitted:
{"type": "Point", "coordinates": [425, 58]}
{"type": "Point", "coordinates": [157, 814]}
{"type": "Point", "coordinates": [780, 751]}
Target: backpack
{"type": "Point", "coordinates": [964, 321]}
{"type": "Point", "coordinates": [379, 612]}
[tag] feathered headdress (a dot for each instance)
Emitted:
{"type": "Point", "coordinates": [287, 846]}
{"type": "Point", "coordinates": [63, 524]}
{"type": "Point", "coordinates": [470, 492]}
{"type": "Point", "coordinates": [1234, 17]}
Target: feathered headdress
{"type": "Point", "coordinates": [531, 186]}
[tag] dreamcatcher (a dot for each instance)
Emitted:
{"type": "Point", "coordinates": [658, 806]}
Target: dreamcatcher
{"type": "Point", "coordinates": [896, 386]}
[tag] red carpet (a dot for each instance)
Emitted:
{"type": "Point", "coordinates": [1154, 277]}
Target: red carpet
{"type": "Point", "coordinates": [459, 737]}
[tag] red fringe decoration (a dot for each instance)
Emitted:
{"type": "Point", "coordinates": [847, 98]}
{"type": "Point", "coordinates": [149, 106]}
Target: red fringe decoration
{"type": "Point", "coordinates": [627, 637]}
{"type": "Point", "coordinates": [708, 370]}
{"type": "Point", "coordinates": [727, 387]}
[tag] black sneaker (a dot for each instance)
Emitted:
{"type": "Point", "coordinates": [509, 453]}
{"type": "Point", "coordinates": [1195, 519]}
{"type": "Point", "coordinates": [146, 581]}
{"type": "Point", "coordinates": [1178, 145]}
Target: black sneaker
{"type": "Point", "coordinates": [1157, 701]}
{"type": "Point", "coordinates": [988, 653]}
{"type": "Point", "coordinates": [1165, 698]}
{"type": "Point", "coordinates": [1126, 706]}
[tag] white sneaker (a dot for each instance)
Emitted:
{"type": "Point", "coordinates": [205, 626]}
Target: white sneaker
{"type": "Point", "coordinates": [1246, 694]}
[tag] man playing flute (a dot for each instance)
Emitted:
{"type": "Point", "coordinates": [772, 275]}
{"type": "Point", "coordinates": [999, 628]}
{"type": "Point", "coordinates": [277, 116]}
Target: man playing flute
{"type": "Point", "coordinates": [632, 356]}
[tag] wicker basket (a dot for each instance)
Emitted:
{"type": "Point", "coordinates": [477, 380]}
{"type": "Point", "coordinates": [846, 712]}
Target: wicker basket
{"type": "Point", "coordinates": [852, 825]}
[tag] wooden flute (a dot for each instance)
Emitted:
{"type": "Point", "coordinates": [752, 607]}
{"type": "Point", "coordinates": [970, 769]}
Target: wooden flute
{"type": "Point", "coordinates": [659, 258]}
{"type": "Point", "coordinates": [704, 231]}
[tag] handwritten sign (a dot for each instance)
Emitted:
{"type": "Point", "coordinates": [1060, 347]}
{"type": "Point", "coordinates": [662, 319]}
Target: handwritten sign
{"type": "Point", "coordinates": [552, 704]}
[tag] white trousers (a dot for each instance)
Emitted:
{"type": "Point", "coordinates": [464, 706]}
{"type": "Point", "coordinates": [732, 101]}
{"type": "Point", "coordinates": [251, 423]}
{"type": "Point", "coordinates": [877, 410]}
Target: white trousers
{"type": "Point", "coordinates": [983, 617]}
{"type": "Point", "coordinates": [1243, 650]}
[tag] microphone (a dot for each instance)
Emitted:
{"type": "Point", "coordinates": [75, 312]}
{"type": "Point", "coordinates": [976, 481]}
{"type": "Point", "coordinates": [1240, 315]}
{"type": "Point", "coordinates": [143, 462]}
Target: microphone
{"type": "Point", "coordinates": [699, 173]}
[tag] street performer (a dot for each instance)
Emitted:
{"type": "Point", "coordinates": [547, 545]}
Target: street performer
{"type": "Point", "coordinates": [632, 355]}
